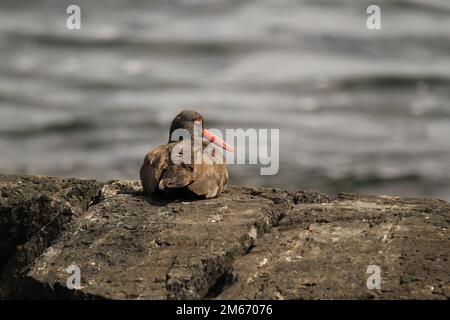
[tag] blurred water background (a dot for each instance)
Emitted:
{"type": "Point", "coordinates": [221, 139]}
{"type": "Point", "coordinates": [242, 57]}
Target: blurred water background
{"type": "Point", "coordinates": [358, 110]}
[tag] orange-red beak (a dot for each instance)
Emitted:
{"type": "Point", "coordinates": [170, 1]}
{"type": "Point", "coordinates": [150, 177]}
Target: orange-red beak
{"type": "Point", "coordinates": [216, 140]}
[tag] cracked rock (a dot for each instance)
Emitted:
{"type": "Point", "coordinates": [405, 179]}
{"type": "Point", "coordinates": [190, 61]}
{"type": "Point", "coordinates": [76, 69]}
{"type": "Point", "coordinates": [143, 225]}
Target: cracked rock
{"type": "Point", "coordinates": [250, 243]}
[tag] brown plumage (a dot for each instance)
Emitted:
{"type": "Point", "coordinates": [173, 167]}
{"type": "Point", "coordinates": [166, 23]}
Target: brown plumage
{"type": "Point", "coordinates": [160, 175]}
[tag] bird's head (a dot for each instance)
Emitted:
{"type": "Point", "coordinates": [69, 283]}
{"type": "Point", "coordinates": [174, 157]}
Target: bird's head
{"type": "Point", "coordinates": [191, 121]}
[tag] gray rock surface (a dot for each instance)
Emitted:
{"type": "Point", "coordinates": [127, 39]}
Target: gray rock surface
{"type": "Point", "coordinates": [34, 211]}
{"type": "Point", "coordinates": [247, 244]}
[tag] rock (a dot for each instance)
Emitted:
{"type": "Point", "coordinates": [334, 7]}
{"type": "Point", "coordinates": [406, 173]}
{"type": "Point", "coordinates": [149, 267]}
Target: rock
{"type": "Point", "coordinates": [34, 211]}
{"type": "Point", "coordinates": [322, 251]}
{"type": "Point", "coordinates": [250, 243]}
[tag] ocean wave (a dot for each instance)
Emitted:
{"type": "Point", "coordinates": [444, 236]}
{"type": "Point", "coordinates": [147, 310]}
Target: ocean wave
{"type": "Point", "coordinates": [60, 127]}
{"type": "Point", "coordinates": [393, 81]}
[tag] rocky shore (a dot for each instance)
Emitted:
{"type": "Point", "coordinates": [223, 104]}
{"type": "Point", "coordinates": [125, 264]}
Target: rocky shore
{"type": "Point", "coordinates": [249, 243]}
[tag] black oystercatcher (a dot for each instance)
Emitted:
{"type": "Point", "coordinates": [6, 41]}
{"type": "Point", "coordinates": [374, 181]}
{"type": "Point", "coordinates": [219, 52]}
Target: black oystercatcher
{"type": "Point", "coordinates": [203, 171]}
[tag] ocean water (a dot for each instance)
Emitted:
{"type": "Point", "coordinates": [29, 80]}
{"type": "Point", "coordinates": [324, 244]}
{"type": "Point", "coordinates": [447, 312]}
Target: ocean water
{"type": "Point", "coordinates": [358, 110]}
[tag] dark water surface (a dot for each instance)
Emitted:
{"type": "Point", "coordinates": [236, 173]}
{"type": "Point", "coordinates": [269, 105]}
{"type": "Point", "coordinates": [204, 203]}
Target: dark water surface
{"type": "Point", "coordinates": [357, 110]}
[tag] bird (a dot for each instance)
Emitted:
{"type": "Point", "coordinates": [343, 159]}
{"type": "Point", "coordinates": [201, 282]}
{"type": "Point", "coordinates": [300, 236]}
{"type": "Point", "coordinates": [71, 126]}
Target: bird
{"type": "Point", "coordinates": [201, 174]}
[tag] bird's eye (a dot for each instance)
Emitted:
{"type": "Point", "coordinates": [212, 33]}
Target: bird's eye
{"type": "Point", "coordinates": [181, 138]}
